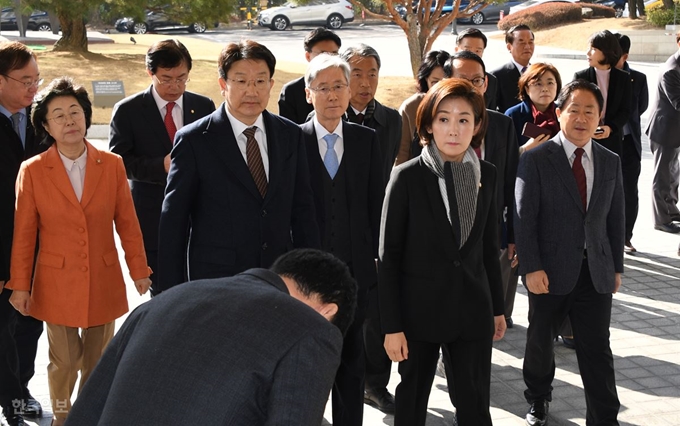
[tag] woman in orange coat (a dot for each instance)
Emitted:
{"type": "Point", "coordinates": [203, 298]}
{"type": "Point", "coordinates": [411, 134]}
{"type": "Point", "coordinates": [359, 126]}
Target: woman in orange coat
{"type": "Point", "coordinates": [69, 197]}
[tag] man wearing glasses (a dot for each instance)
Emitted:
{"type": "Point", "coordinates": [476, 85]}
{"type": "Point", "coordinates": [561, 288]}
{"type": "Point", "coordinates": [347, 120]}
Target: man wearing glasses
{"type": "Point", "coordinates": [143, 129]}
{"type": "Point", "coordinates": [19, 82]}
{"type": "Point", "coordinates": [345, 167]}
{"type": "Point", "coordinates": [238, 180]}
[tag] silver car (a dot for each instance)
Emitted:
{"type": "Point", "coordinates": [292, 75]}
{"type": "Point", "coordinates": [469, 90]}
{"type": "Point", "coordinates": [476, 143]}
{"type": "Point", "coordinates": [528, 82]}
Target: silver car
{"type": "Point", "coordinates": [329, 13]}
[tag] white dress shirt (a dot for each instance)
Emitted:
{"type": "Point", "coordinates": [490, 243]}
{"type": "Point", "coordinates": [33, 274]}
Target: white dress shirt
{"type": "Point", "coordinates": [586, 161]}
{"type": "Point", "coordinates": [75, 169]}
{"type": "Point", "coordinates": [260, 135]}
{"type": "Point", "coordinates": [321, 131]}
{"type": "Point", "coordinates": [177, 110]}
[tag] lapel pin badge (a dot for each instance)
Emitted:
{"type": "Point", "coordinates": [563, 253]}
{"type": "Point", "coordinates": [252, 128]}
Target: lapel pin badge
{"type": "Point", "coordinates": [480, 184]}
{"type": "Point", "coordinates": [192, 111]}
{"type": "Point", "coordinates": [99, 160]}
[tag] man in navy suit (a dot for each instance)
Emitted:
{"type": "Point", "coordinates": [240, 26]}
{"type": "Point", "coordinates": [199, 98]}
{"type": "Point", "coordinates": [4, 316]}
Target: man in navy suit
{"type": "Point", "coordinates": [260, 348]}
{"type": "Point", "coordinates": [520, 43]}
{"type": "Point", "coordinates": [293, 100]}
{"type": "Point", "coordinates": [238, 180]}
{"type": "Point", "coordinates": [345, 170]}
{"type": "Point", "coordinates": [569, 231]}
{"type": "Point", "coordinates": [631, 154]}
{"type": "Point", "coordinates": [143, 129]}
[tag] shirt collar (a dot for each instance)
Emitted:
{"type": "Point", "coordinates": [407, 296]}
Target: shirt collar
{"type": "Point", "coordinates": [518, 65]}
{"type": "Point", "coordinates": [161, 103]}
{"type": "Point", "coordinates": [356, 111]}
{"type": "Point", "coordinates": [80, 161]}
{"type": "Point", "coordinates": [321, 131]}
{"type": "Point", "coordinates": [8, 114]}
{"type": "Point", "coordinates": [238, 127]}
{"type": "Point", "coordinates": [569, 147]}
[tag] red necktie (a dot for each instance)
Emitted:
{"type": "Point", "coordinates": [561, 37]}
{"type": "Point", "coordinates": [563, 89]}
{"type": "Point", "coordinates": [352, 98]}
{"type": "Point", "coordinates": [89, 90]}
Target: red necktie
{"type": "Point", "coordinates": [478, 151]}
{"type": "Point", "coordinates": [580, 175]}
{"type": "Point", "coordinates": [169, 122]}
{"type": "Point", "coordinates": [254, 159]}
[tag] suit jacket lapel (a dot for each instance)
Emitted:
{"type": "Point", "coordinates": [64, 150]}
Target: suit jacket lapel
{"type": "Point", "coordinates": [223, 141]}
{"type": "Point", "coordinates": [316, 169]}
{"type": "Point", "coordinates": [561, 164]}
{"type": "Point", "coordinates": [57, 174]}
{"type": "Point", "coordinates": [277, 140]}
{"type": "Point", "coordinates": [598, 175]}
{"type": "Point", "coordinates": [93, 172]}
{"type": "Point", "coordinates": [190, 114]}
{"type": "Point", "coordinates": [434, 195]}
{"type": "Point", "coordinates": [154, 120]}
{"type": "Point", "coordinates": [478, 224]}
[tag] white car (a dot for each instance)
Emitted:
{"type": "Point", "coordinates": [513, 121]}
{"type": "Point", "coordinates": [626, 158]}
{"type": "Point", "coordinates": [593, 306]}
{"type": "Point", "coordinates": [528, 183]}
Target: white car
{"type": "Point", "coordinates": [329, 13]}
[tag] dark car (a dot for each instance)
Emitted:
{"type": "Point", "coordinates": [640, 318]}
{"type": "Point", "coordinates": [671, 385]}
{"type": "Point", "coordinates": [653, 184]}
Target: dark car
{"type": "Point", "coordinates": [491, 13]}
{"type": "Point", "coordinates": [38, 21]}
{"type": "Point", "coordinates": [157, 21]}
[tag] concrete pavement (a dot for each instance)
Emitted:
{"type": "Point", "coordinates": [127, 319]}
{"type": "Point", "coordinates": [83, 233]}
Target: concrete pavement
{"type": "Point", "coordinates": [645, 327]}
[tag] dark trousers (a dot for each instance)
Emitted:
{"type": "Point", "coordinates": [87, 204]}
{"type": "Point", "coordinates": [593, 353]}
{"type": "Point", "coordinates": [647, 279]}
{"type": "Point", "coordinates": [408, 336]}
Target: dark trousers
{"type": "Point", "coordinates": [348, 389]}
{"type": "Point", "coordinates": [590, 314]}
{"type": "Point", "coordinates": [468, 375]}
{"type": "Point", "coordinates": [630, 168]}
{"type": "Point", "coordinates": [378, 364]}
{"type": "Point", "coordinates": [510, 278]}
{"type": "Point", "coordinates": [665, 182]}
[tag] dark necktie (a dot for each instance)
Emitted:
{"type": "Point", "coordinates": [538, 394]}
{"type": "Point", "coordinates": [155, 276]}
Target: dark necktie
{"type": "Point", "coordinates": [358, 118]}
{"type": "Point", "coordinates": [580, 175]}
{"type": "Point", "coordinates": [169, 122]}
{"type": "Point", "coordinates": [254, 158]}
{"type": "Point", "coordinates": [523, 69]}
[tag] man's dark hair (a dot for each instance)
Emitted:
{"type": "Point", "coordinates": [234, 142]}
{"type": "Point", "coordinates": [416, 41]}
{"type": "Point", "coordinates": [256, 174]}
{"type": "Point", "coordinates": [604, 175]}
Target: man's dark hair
{"type": "Point", "coordinates": [432, 60]}
{"type": "Point", "coordinates": [608, 44]}
{"type": "Point", "coordinates": [320, 274]}
{"type": "Point", "coordinates": [361, 50]}
{"type": "Point", "coordinates": [14, 56]}
{"type": "Point", "coordinates": [320, 34]}
{"type": "Point", "coordinates": [169, 53]}
{"type": "Point", "coordinates": [624, 42]}
{"type": "Point", "coordinates": [510, 34]}
{"type": "Point", "coordinates": [246, 49]}
{"type": "Point", "coordinates": [470, 33]}
{"type": "Point", "coordinates": [59, 87]}
{"type": "Point", "coordinates": [575, 85]}
{"type": "Point", "coordinates": [462, 54]}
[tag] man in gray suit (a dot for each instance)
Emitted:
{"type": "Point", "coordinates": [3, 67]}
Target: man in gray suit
{"type": "Point", "coordinates": [569, 231]}
{"type": "Point", "coordinates": [228, 351]}
{"type": "Point", "coordinates": [663, 130]}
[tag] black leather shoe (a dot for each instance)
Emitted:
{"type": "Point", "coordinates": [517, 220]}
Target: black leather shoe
{"type": "Point", "coordinates": [538, 414]}
{"type": "Point", "coordinates": [382, 400]}
{"type": "Point", "coordinates": [670, 227]}
{"type": "Point", "coordinates": [17, 420]}
{"type": "Point", "coordinates": [509, 323]}
{"type": "Point", "coordinates": [568, 342]}
{"type": "Point", "coordinates": [32, 407]}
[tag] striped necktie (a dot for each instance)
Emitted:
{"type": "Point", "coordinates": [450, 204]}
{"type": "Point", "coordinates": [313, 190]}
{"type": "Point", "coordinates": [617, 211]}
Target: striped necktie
{"type": "Point", "coordinates": [254, 159]}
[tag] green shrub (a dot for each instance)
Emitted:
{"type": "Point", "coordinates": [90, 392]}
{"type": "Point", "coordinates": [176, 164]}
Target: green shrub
{"type": "Point", "coordinates": [549, 15]}
{"type": "Point", "coordinates": [543, 16]}
{"type": "Point", "coordinates": [660, 16]}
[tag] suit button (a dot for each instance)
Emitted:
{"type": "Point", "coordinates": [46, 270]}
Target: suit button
{"type": "Point", "coordinates": [264, 246]}
{"type": "Point", "coordinates": [84, 269]}
{"type": "Point", "coordinates": [81, 242]}
{"type": "Point", "coordinates": [83, 255]}
{"type": "Point", "coordinates": [81, 230]}
{"type": "Point", "coordinates": [456, 263]}
{"type": "Point", "coordinates": [264, 213]}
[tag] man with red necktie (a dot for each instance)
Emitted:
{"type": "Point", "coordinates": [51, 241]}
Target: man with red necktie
{"type": "Point", "coordinates": [569, 234]}
{"type": "Point", "coordinates": [143, 129]}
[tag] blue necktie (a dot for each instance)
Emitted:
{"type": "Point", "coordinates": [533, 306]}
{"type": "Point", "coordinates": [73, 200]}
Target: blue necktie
{"type": "Point", "coordinates": [330, 160]}
{"type": "Point", "coordinates": [16, 125]}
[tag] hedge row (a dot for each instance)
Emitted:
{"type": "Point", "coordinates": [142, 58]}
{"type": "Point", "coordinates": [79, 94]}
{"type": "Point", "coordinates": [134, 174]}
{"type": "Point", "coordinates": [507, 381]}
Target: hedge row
{"type": "Point", "coordinates": [549, 15]}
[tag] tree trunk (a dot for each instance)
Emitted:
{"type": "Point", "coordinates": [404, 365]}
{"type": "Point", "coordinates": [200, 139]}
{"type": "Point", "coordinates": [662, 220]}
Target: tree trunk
{"type": "Point", "coordinates": [415, 47]}
{"type": "Point", "coordinates": [73, 34]}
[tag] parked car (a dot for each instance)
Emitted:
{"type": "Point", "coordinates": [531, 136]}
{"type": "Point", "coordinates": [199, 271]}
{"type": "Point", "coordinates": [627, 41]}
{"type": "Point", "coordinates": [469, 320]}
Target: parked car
{"type": "Point", "coordinates": [38, 21]}
{"type": "Point", "coordinates": [155, 20]}
{"type": "Point", "coordinates": [491, 13]}
{"type": "Point", "coordinates": [330, 13]}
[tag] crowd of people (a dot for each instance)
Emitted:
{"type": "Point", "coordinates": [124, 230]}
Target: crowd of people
{"type": "Point", "coordinates": [406, 231]}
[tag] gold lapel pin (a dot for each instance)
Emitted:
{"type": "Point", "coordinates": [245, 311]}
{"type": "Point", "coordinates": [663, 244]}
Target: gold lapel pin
{"type": "Point", "coordinates": [480, 184]}
{"type": "Point", "coordinates": [99, 160]}
{"type": "Point", "coordinates": [192, 111]}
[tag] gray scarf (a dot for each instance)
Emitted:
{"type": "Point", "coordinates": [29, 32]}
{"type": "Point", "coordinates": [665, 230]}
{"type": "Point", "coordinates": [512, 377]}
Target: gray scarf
{"type": "Point", "coordinates": [462, 187]}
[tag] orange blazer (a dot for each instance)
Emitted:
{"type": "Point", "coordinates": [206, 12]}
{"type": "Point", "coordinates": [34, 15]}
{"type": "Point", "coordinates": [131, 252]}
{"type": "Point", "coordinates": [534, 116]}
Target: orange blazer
{"type": "Point", "coordinates": [78, 280]}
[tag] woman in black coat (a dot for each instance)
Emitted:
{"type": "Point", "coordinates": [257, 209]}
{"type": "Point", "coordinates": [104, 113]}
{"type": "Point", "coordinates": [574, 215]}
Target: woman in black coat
{"type": "Point", "coordinates": [439, 272]}
{"type": "Point", "coordinates": [615, 85]}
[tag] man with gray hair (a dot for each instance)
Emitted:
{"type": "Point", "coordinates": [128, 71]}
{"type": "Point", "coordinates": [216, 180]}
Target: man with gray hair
{"type": "Point", "coordinates": [364, 109]}
{"type": "Point", "coordinates": [345, 173]}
